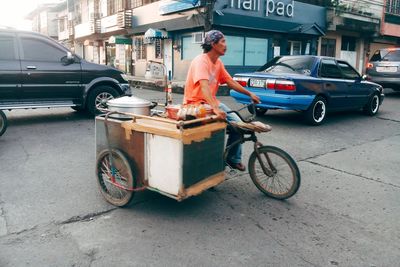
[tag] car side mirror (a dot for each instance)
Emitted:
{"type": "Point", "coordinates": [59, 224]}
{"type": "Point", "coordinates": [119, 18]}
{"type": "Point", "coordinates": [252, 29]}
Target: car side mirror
{"type": "Point", "coordinates": [68, 59]}
{"type": "Point", "coordinates": [364, 77]}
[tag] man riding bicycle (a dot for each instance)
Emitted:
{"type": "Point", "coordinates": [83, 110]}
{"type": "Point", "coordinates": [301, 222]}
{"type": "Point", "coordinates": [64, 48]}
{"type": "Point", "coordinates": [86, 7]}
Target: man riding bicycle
{"type": "Point", "coordinates": [206, 73]}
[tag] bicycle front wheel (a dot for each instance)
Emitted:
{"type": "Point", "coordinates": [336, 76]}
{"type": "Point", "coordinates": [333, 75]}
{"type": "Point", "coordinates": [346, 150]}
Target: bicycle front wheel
{"type": "Point", "coordinates": [280, 178]}
{"type": "Point", "coordinates": [115, 177]}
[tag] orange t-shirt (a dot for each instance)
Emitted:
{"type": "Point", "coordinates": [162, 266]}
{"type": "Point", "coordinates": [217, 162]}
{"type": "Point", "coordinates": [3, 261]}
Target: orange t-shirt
{"type": "Point", "coordinates": [202, 68]}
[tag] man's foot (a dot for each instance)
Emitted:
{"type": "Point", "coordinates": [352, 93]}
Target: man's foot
{"type": "Point", "coordinates": [238, 166]}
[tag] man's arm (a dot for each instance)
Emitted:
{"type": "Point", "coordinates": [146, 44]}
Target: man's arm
{"type": "Point", "coordinates": [205, 89]}
{"type": "Point", "coordinates": [237, 87]}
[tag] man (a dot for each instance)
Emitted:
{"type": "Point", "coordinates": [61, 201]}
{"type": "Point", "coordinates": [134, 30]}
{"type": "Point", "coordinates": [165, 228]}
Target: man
{"type": "Point", "coordinates": [206, 73]}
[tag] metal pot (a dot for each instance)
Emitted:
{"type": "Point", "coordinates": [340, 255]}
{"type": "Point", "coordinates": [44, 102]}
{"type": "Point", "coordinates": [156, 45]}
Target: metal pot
{"type": "Point", "coordinates": [130, 104]}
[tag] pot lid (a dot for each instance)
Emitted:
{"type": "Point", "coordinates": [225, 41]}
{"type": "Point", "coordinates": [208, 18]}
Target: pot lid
{"type": "Point", "coordinates": [128, 102]}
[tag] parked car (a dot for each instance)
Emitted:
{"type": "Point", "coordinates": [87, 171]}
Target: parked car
{"type": "Point", "coordinates": [384, 68]}
{"type": "Point", "coordinates": [312, 84]}
{"type": "Point", "coordinates": [38, 72]}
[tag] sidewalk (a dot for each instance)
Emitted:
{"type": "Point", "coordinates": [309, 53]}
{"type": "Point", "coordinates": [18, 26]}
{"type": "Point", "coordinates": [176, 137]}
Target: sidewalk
{"type": "Point", "coordinates": [158, 85]}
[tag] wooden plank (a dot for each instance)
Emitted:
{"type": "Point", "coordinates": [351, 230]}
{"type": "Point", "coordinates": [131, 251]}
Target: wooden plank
{"type": "Point", "coordinates": [198, 188]}
{"type": "Point", "coordinates": [195, 134]}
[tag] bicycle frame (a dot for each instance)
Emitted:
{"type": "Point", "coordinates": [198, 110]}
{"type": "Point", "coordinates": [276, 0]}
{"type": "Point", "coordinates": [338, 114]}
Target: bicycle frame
{"type": "Point", "coordinates": [269, 172]}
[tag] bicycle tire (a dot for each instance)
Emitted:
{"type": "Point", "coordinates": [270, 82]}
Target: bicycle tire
{"type": "Point", "coordinates": [286, 168]}
{"type": "Point", "coordinates": [3, 123]}
{"type": "Point", "coordinates": [123, 176]}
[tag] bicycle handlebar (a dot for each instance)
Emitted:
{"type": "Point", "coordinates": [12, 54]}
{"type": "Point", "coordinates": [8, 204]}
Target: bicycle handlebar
{"type": "Point", "coordinates": [251, 118]}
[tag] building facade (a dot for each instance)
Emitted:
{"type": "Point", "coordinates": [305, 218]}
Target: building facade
{"type": "Point", "coordinates": [133, 35]}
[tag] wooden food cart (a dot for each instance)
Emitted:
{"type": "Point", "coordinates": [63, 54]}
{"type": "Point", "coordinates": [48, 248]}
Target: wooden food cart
{"type": "Point", "coordinates": [171, 157]}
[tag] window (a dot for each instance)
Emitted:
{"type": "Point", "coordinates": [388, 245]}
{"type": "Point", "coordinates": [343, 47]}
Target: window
{"type": "Point", "coordinates": [61, 24]}
{"type": "Point", "coordinates": [256, 52]}
{"type": "Point", "coordinates": [348, 71]}
{"type": "Point", "coordinates": [7, 51]}
{"type": "Point", "coordinates": [348, 43]}
{"type": "Point", "coordinates": [34, 49]}
{"type": "Point", "coordinates": [141, 48]}
{"type": "Point", "coordinates": [329, 69]}
{"type": "Point", "coordinates": [286, 64]}
{"type": "Point", "coordinates": [234, 54]}
{"type": "Point", "coordinates": [158, 45]}
{"type": "Point", "coordinates": [393, 7]}
{"type": "Point", "coordinates": [328, 47]}
{"type": "Point", "coordinates": [114, 6]}
{"type": "Point", "coordinates": [189, 49]}
{"type": "Point", "coordinates": [295, 48]}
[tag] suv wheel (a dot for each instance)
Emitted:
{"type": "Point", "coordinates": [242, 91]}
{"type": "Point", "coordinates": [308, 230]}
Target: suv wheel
{"type": "Point", "coordinates": [98, 98]}
{"type": "Point", "coordinates": [3, 122]}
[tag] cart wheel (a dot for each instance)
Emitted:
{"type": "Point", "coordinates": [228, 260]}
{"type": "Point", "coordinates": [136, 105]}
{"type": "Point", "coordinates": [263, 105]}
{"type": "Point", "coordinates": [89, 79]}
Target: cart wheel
{"type": "Point", "coordinates": [119, 192]}
{"type": "Point", "coordinates": [3, 122]}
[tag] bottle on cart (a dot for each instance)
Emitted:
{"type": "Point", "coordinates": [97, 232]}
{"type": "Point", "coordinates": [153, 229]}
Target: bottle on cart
{"type": "Point", "coordinates": [169, 93]}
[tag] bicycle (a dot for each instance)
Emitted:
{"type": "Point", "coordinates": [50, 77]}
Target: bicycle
{"type": "Point", "coordinates": [122, 169]}
{"type": "Point", "coordinates": [268, 165]}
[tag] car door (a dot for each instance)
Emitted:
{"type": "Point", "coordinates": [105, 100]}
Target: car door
{"type": "Point", "coordinates": [45, 74]}
{"type": "Point", "coordinates": [333, 84]}
{"type": "Point", "coordinates": [358, 92]}
{"type": "Point", "coordinates": [10, 69]}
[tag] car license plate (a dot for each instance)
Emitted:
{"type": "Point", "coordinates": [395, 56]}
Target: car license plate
{"type": "Point", "coordinates": [257, 83]}
{"type": "Point", "coordinates": [386, 69]}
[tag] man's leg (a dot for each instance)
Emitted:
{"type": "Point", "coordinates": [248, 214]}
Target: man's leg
{"type": "Point", "coordinates": [235, 153]}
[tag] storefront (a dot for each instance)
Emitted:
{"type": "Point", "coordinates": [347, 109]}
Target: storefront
{"type": "Point", "coordinates": [255, 31]}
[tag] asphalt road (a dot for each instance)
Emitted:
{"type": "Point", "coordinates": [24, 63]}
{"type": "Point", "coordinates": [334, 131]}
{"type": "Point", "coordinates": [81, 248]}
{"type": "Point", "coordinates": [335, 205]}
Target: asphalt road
{"type": "Point", "coordinates": [346, 212]}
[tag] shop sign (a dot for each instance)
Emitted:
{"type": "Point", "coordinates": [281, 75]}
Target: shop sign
{"type": "Point", "coordinates": [173, 6]}
{"type": "Point", "coordinates": [271, 7]}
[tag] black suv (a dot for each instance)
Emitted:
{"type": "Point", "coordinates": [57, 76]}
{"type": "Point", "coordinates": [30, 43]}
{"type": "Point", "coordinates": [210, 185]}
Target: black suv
{"type": "Point", "coordinates": [36, 72]}
{"type": "Point", "coordinates": [384, 68]}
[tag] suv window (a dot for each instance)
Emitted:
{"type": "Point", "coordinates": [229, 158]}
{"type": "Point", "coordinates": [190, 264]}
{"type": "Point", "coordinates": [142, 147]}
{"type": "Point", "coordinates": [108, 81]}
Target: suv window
{"type": "Point", "coordinates": [348, 71]}
{"type": "Point", "coordinates": [34, 49]}
{"type": "Point", "coordinates": [329, 69]}
{"type": "Point", "coordinates": [7, 51]}
{"type": "Point", "coordinates": [386, 55]}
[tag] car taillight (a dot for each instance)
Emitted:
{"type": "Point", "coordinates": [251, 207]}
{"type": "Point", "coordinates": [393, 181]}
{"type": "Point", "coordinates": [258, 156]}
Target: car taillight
{"type": "Point", "coordinates": [370, 65]}
{"type": "Point", "coordinates": [284, 85]}
{"type": "Point", "coordinates": [241, 80]}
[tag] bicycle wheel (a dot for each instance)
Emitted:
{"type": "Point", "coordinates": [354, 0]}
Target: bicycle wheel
{"type": "Point", "coordinates": [282, 177]}
{"type": "Point", "coordinates": [119, 192]}
{"type": "Point", "coordinates": [3, 123]}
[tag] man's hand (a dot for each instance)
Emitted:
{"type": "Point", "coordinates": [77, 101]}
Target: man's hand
{"type": "Point", "coordinates": [220, 113]}
{"type": "Point", "coordinates": [254, 98]}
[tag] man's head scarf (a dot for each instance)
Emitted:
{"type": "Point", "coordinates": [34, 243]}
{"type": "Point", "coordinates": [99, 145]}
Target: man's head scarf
{"type": "Point", "coordinates": [212, 37]}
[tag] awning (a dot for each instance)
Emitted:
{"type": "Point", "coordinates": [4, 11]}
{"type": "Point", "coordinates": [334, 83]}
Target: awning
{"type": "Point", "coordinates": [312, 29]}
{"type": "Point", "coordinates": [120, 39]}
{"type": "Point", "coordinates": [155, 34]}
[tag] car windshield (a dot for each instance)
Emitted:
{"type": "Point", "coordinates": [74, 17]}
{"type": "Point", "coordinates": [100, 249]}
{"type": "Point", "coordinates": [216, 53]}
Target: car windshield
{"type": "Point", "coordinates": [289, 64]}
{"type": "Point", "coordinates": [386, 55]}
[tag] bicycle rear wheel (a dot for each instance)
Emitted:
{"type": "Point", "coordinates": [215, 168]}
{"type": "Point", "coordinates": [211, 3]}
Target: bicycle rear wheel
{"type": "Point", "coordinates": [118, 192]}
{"type": "Point", "coordinates": [281, 180]}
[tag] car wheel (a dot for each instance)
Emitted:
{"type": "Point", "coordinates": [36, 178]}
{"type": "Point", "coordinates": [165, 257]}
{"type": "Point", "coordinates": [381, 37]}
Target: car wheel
{"type": "Point", "coordinates": [259, 111]}
{"type": "Point", "coordinates": [98, 98]}
{"type": "Point", "coordinates": [372, 107]}
{"type": "Point", "coordinates": [316, 113]}
{"type": "Point", "coordinates": [3, 123]}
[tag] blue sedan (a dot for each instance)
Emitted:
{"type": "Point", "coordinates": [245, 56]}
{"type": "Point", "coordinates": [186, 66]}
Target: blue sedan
{"type": "Point", "coordinates": [312, 84]}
